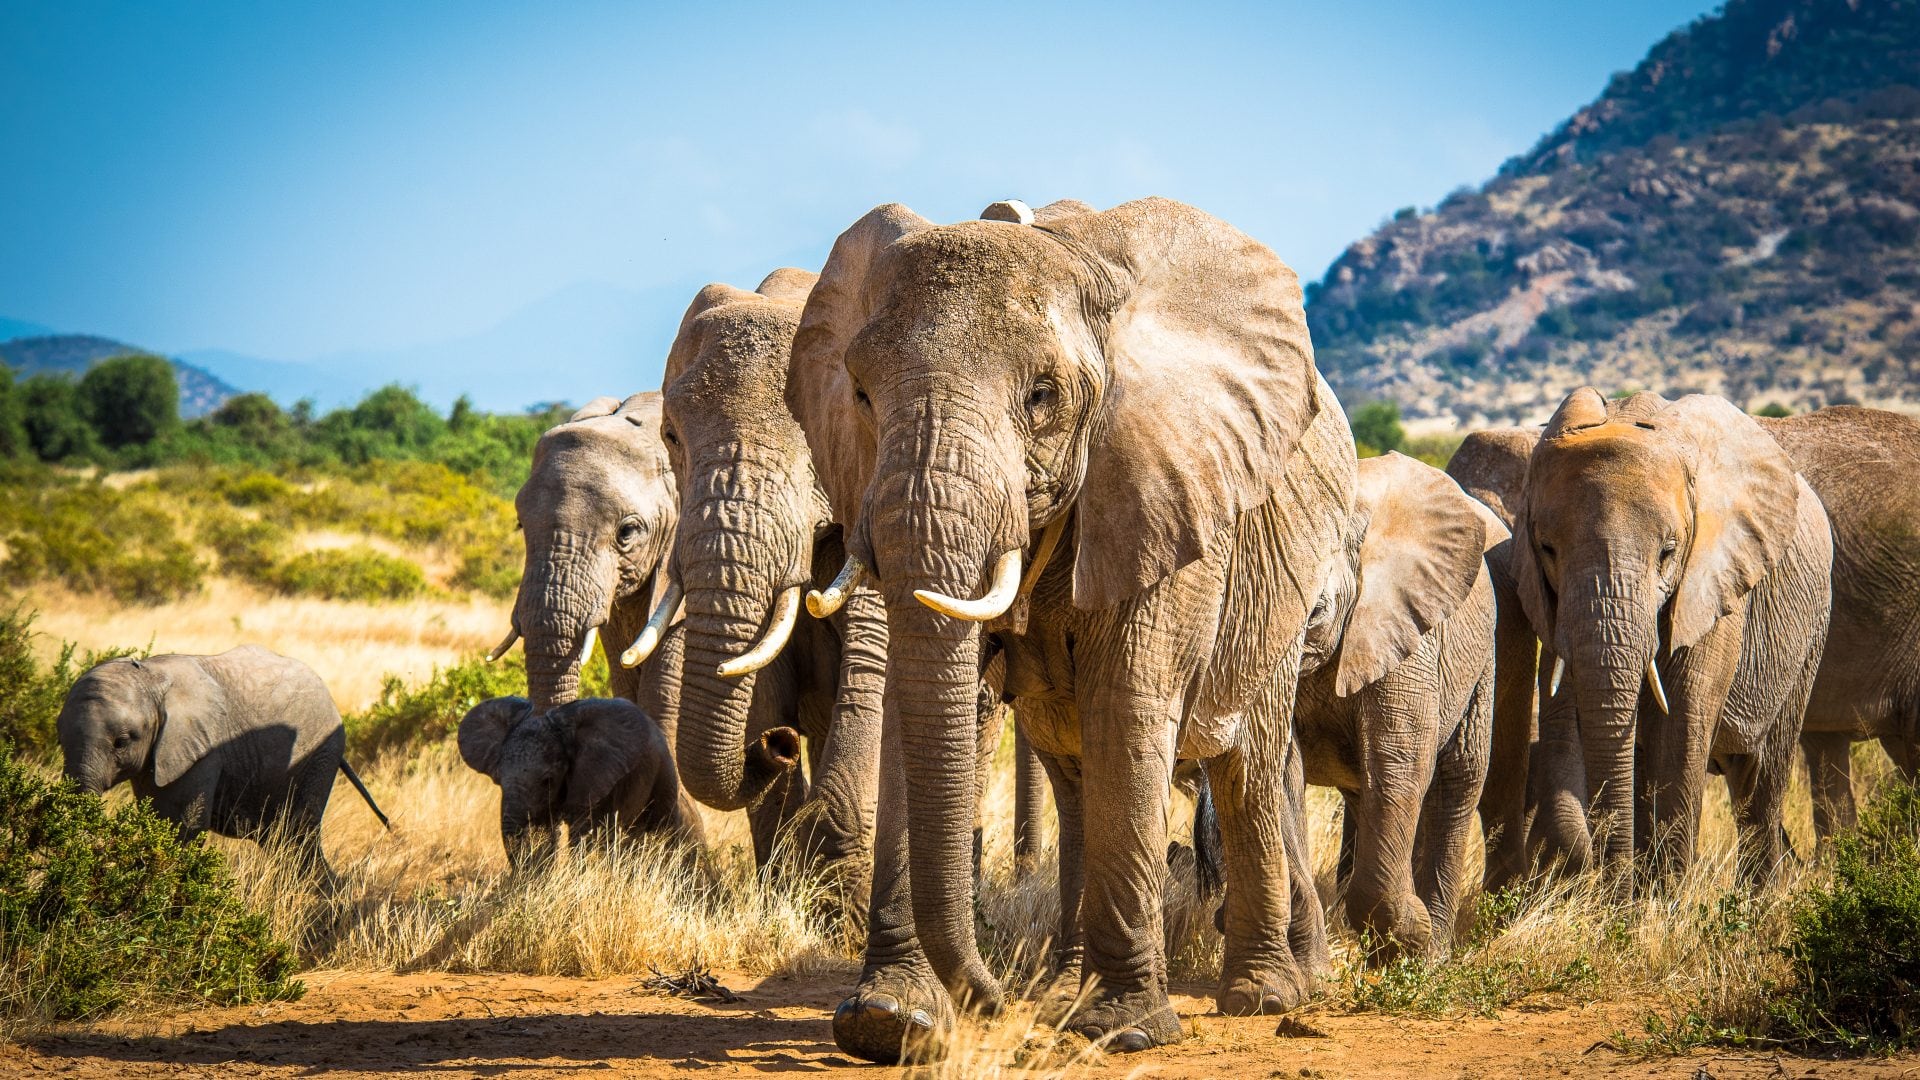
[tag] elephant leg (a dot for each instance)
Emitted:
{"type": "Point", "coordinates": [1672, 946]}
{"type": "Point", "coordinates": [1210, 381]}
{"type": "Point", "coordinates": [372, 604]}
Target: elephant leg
{"type": "Point", "coordinates": [1830, 771]}
{"type": "Point", "coordinates": [768, 819]}
{"type": "Point", "coordinates": [1446, 823]}
{"type": "Point", "coordinates": [1307, 931]}
{"type": "Point", "coordinates": [1126, 769]}
{"type": "Point", "coordinates": [1343, 864]}
{"type": "Point", "coordinates": [1503, 798]}
{"type": "Point", "coordinates": [1905, 754]}
{"type": "Point", "coordinates": [1396, 726]}
{"type": "Point", "coordinates": [899, 1011]}
{"type": "Point", "coordinates": [993, 720]}
{"type": "Point", "coordinates": [1698, 686]}
{"type": "Point", "coordinates": [1029, 800]}
{"type": "Point", "coordinates": [1557, 792]}
{"type": "Point", "coordinates": [838, 816]}
{"type": "Point", "coordinates": [1067, 958]}
{"type": "Point", "coordinates": [1251, 792]}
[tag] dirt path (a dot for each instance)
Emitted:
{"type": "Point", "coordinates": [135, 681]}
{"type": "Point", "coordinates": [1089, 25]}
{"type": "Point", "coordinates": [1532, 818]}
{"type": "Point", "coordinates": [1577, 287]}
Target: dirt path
{"type": "Point", "coordinates": [354, 1024]}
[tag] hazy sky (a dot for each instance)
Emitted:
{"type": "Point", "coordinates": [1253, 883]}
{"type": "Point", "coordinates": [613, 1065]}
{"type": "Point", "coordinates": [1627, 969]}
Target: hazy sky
{"type": "Point", "coordinates": [295, 179]}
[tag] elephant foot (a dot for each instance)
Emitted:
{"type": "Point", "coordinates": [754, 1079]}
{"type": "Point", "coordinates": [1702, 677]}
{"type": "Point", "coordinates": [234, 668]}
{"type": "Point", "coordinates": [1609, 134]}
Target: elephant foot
{"type": "Point", "coordinates": [1263, 993]}
{"type": "Point", "coordinates": [1129, 1022]}
{"type": "Point", "coordinates": [895, 1018]}
{"type": "Point", "coordinates": [1059, 993]}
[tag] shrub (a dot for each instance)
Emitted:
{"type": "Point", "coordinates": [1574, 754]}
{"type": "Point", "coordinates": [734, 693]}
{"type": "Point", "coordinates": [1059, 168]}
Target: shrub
{"type": "Point", "coordinates": [14, 443]}
{"type": "Point", "coordinates": [492, 569]}
{"type": "Point", "coordinates": [406, 716]}
{"type": "Point", "coordinates": [1773, 409]}
{"type": "Point", "coordinates": [248, 548]}
{"type": "Point", "coordinates": [130, 400]}
{"type": "Point", "coordinates": [96, 539]}
{"type": "Point", "coordinates": [56, 427]}
{"type": "Point", "coordinates": [355, 573]}
{"type": "Point", "coordinates": [1377, 424]}
{"type": "Point", "coordinates": [1855, 941]}
{"type": "Point", "coordinates": [100, 910]}
{"type": "Point", "coordinates": [30, 698]}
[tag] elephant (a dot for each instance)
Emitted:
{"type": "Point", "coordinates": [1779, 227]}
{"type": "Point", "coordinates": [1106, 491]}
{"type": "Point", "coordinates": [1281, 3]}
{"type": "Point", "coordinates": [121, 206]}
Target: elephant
{"type": "Point", "coordinates": [243, 743]}
{"type": "Point", "coordinates": [598, 511]}
{"type": "Point", "coordinates": [600, 765]}
{"type": "Point", "coordinates": [1395, 707]}
{"type": "Point", "coordinates": [1109, 425]}
{"type": "Point", "coordinates": [1865, 466]}
{"type": "Point", "coordinates": [752, 532]}
{"type": "Point", "coordinates": [1670, 555]}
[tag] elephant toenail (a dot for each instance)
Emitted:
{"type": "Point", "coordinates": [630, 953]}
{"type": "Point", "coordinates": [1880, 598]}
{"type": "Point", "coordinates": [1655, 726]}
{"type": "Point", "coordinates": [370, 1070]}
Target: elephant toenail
{"type": "Point", "coordinates": [1131, 1041]}
{"type": "Point", "coordinates": [920, 1019]}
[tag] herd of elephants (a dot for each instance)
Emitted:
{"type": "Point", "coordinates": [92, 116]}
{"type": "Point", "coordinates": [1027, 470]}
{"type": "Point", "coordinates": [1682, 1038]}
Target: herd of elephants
{"type": "Point", "coordinates": [1081, 463]}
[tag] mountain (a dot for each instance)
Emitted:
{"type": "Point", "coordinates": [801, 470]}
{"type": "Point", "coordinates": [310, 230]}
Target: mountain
{"type": "Point", "coordinates": [73, 354]}
{"type": "Point", "coordinates": [1739, 214]}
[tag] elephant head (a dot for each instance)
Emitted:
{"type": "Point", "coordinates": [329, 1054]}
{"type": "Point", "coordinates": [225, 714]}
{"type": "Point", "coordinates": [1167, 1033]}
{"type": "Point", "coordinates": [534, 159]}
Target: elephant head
{"type": "Point", "coordinates": [598, 513]}
{"type": "Point", "coordinates": [127, 715]}
{"type": "Point", "coordinates": [552, 767]}
{"type": "Point", "coordinates": [1144, 370]}
{"type": "Point", "coordinates": [1643, 522]}
{"type": "Point", "coordinates": [1421, 544]}
{"type": "Point", "coordinates": [749, 516]}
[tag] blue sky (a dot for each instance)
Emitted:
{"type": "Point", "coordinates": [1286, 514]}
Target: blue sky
{"type": "Point", "coordinates": [517, 199]}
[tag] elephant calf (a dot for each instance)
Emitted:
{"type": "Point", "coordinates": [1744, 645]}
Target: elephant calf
{"type": "Point", "coordinates": [237, 743]}
{"type": "Point", "coordinates": [595, 764]}
{"type": "Point", "coordinates": [1396, 703]}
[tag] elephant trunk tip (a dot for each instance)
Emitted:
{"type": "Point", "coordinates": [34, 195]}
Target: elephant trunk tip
{"type": "Point", "coordinates": [778, 749]}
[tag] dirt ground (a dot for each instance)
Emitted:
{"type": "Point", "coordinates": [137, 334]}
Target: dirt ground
{"type": "Point", "coordinates": [354, 1024]}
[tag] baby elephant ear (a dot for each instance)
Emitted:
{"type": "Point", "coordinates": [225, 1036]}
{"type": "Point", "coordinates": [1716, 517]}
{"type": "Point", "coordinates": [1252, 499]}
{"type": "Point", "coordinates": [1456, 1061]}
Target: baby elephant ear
{"type": "Point", "coordinates": [818, 389]}
{"type": "Point", "coordinates": [600, 406]}
{"type": "Point", "coordinates": [193, 715]}
{"type": "Point", "coordinates": [611, 737]}
{"type": "Point", "coordinates": [1419, 561]}
{"type": "Point", "coordinates": [485, 727]}
{"type": "Point", "coordinates": [1746, 504]}
{"type": "Point", "coordinates": [1210, 386]}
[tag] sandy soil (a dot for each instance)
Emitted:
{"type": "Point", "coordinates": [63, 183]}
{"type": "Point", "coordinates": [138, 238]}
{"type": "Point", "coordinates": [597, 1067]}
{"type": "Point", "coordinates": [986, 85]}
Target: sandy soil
{"type": "Point", "coordinates": [354, 1024]}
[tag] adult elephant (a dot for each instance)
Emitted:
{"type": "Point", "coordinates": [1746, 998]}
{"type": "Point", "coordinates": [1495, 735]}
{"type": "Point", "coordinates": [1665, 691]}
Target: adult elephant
{"type": "Point", "coordinates": [1124, 404]}
{"type": "Point", "coordinates": [598, 513]}
{"type": "Point", "coordinates": [753, 531]}
{"type": "Point", "coordinates": [1676, 561]}
{"type": "Point", "coordinates": [1396, 703]}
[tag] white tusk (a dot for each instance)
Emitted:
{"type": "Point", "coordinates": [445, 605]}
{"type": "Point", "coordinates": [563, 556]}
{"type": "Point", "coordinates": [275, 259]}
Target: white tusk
{"type": "Point", "coordinates": [586, 644]}
{"type": "Point", "coordinates": [1559, 669]}
{"type": "Point", "coordinates": [999, 597]}
{"type": "Point", "coordinates": [655, 629]}
{"type": "Point", "coordinates": [786, 611]}
{"type": "Point", "coordinates": [506, 643]}
{"type": "Point", "coordinates": [824, 602]}
{"type": "Point", "coordinates": [1653, 682]}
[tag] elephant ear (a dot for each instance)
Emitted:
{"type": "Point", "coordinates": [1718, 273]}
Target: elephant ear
{"type": "Point", "coordinates": [609, 737]}
{"type": "Point", "coordinates": [819, 391]}
{"type": "Point", "coordinates": [1419, 561]}
{"type": "Point", "coordinates": [1745, 509]}
{"type": "Point", "coordinates": [1210, 387]}
{"type": "Point", "coordinates": [193, 717]}
{"type": "Point", "coordinates": [787, 283]}
{"type": "Point", "coordinates": [485, 727]}
{"type": "Point", "coordinates": [600, 406]}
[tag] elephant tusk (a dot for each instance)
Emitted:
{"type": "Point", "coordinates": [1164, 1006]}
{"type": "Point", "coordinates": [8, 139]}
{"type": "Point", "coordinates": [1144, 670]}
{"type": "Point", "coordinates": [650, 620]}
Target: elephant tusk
{"type": "Point", "coordinates": [506, 643]}
{"type": "Point", "coordinates": [1559, 669]}
{"type": "Point", "coordinates": [786, 610]}
{"type": "Point", "coordinates": [655, 629]}
{"type": "Point", "coordinates": [999, 597]}
{"type": "Point", "coordinates": [1653, 683]}
{"type": "Point", "coordinates": [824, 602]}
{"type": "Point", "coordinates": [586, 644]}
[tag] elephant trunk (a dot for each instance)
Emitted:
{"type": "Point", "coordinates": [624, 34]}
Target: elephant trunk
{"type": "Point", "coordinates": [1616, 640]}
{"type": "Point", "coordinates": [564, 594]}
{"type": "Point", "coordinates": [528, 842]}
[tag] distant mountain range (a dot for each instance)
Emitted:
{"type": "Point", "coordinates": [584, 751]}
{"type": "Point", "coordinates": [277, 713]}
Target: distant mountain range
{"type": "Point", "coordinates": [1739, 214]}
{"type": "Point", "coordinates": [72, 354]}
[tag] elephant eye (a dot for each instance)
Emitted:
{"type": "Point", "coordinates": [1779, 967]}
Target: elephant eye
{"type": "Point", "coordinates": [1667, 549]}
{"type": "Point", "coordinates": [860, 396]}
{"type": "Point", "coordinates": [122, 739]}
{"type": "Point", "coordinates": [1042, 396]}
{"type": "Point", "coordinates": [672, 437]}
{"type": "Point", "coordinates": [629, 533]}
{"type": "Point", "coordinates": [1546, 551]}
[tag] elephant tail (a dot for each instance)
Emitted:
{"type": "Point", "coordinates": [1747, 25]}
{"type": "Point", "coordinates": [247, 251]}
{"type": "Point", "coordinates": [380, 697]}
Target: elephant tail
{"type": "Point", "coordinates": [354, 779]}
{"type": "Point", "coordinates": [1209, 869]}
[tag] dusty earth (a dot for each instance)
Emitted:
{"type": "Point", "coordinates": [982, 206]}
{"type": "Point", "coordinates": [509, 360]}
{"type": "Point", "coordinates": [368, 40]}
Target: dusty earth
{"type": "Point", "coordinates": [355, 1023]}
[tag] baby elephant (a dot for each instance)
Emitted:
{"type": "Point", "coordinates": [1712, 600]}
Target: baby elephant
{"type": "Point", "coordinates": [236, 743]}
{"type": "Point", "coordinates": [1395, 705]}
{"type": "Point", "coordinates": [595, 764]}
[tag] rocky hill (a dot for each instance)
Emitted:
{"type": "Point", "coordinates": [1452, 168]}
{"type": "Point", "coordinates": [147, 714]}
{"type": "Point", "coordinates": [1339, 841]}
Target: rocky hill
{"type": "Point", "coordinates": [1739, 214]}
{"type": "Point", "coordinates": [73, 354]}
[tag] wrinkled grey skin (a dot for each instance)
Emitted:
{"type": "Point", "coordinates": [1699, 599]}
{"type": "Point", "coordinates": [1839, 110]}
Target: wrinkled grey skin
{"type": "Point", "coordinates": [599, 765]}
{"type": "Point", "coordinates": [238, 743]}
{"type": "Point", "coordinates": [1675, 534]}
{"type": "Point", "coordinates": [1396, 702]}
{"type": "Point", "coordinates": [1141, 378]}
{"type": "Point", "coordinates": [752, 523]}
{"type": "Point", "coordinates": [598, 512]}
{"type": "Point", "coordinates": [1865, 466]}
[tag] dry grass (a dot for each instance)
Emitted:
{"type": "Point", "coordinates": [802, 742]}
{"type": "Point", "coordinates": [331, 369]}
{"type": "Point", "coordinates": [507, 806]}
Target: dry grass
{"type": "Point", "coordinates": [352, 645]}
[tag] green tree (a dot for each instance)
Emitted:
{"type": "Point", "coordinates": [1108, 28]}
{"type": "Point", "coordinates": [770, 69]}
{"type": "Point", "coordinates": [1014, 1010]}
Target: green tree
{"type": "Point", "coordinates": [1377, 425]}
{"type": "Point", "coordinates": [56, 427]}
{"type": "Point", "coordinates": [1773, 409]}
{"type": "Point", "coordinates": [13, 416]}
{"type": "Point", "coordinates": [131, 400]}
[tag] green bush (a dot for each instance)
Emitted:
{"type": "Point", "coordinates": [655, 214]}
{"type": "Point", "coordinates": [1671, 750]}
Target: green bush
{"type": "Point", "coordinates": [130, 400]}
{"type": "Point", "coordinates": [94, 538]}
{"type": "Point", "coordinates": [1377, 424]}
{"type": "Point", "coordinates": [492, 569]}
{"type": "Point", "coordinates": [1855, 941]}
{"type": "Point", "coordinates": [100, 910]}
{"type": "Point", "coordinates": [56, 426]}
{"type": "Point", "coordinates": [355, 573]}
{"type": "Point", "coordinates": [248, 548]}
{"type": "Point", "coordinates": [407, 716]}
{"type": "Point", "coordinates": [30, 698]}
